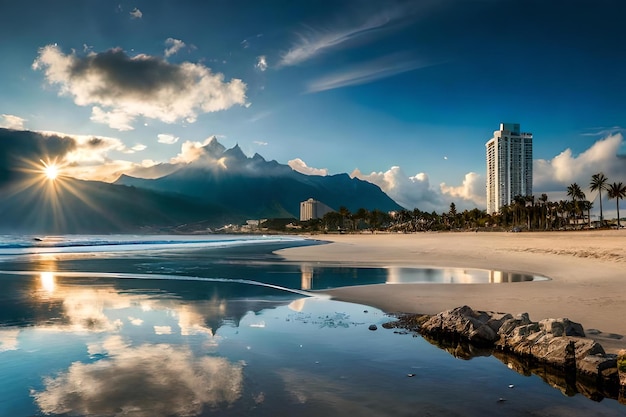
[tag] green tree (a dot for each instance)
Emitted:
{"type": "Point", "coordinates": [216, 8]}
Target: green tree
{"type": "Point", "coordinates": [361, 216]}
{"type": "Point", "coordinates": [617, 190]}
{"type": "Point", "coordinates": [519, 204]}
{"type": "Point", "coordinates": [577, 195]}
{"type": "Point", "coordinates": [378, 219]}
{"type": "Point", "coordinates": [332, 220]}
{"type": "Point", "coordinates": [587, 205]}
{"type": "Point", "coordinates": [345, 215]}
{"type": "Point", "coordinates": [452, 213]}
{"type": "Point", "coordinates": [598, 183]}
{"type": "Point", "coordinates": [529, 207]}
{"type": "Point", "coordinates": [543, 200]}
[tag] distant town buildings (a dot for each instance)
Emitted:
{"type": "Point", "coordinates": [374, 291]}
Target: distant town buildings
{"type": "Point", "coordinates": [509, 166]}
{"type": "Point", "coordinates": [313, 209]}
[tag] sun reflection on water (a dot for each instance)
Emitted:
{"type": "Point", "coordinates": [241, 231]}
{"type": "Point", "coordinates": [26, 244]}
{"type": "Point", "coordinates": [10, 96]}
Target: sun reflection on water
{"type": "Point", "coordinates": [48, 281]}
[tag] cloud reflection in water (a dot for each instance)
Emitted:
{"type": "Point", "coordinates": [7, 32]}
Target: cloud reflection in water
{"type": "Point", "coordinates": [144, 381]}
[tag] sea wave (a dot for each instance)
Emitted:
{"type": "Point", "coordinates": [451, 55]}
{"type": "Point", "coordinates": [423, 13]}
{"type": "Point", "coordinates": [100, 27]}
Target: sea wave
{"type": "Point", "coordinates": [24, 245]}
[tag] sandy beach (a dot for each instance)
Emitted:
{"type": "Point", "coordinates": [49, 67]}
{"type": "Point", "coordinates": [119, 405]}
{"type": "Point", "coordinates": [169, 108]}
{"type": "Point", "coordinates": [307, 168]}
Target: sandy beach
{"type": "Point", "coordinates": [587, 271]}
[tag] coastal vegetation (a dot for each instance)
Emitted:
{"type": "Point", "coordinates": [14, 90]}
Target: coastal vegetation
{"type": "Point", "coordinates": [524, 213]}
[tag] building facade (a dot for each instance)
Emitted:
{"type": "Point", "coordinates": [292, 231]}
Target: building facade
{"type": "Point", "coordinates": [313, 209]}
{"type": "Point", "coordinates": [509, 166]}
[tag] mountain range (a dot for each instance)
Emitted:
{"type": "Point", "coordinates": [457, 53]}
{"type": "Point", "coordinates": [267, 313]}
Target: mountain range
{"type": "Point", "coordinates": [260, 188]}
{"type": "Point", "coordinates": [220, 186]}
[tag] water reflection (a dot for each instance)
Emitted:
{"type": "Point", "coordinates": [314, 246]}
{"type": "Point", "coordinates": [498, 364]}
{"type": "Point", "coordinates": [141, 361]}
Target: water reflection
{"type": "Point", "coordinates": [400, 275]}
{"type": "Point", "coordinates": [144, 381]}
{"type": "Point", "coordinates": [121, 347]}
{"type": "Point", "coordinates": [139, 361]}
{"type": "Point", "coordinates": [47, 281]}
{"type": "Point", "coordinates": [568, 383]}
{"type": "Point", "coordinates": [8, 339]}
{"type": "Point", "coordinates": [64, 303]}
{"type": "Point", "coordinates": [306, 283]}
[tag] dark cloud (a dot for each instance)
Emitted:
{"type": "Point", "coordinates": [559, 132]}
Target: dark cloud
{"type": "Point", "coordinates": [123, 75]}
{"type": "Point", "coordinates": [96, 142]}
{"type": "Point", "coordinates": [21, 148]}
{"type": "Point", "coordinates": [122, 87]}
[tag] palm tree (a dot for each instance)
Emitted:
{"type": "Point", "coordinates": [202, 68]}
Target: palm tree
{"type": "Point", "coordinates": [544, 216]}
{"type": "Point", "coordinates": [362, 215]}
{"type": "Point", "coordinates": [577, 195]}
{"type": "Point", "coordinates": [519, 202]}
{"type": "Point", "coordinates": [599, 183]}
{"type": "Point", "coordinates": [345, 215]}
{"type": "Point", "coordinates": [587, 206]}
{"type": "Point", "coordinates": [617, 190]}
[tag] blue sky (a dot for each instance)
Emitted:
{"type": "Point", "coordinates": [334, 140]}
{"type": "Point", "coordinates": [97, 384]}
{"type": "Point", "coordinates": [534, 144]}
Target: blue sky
{"type": "Point", "coordinates": [402, 93]}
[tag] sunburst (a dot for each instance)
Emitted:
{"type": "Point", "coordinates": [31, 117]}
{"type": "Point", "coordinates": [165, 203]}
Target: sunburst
{"type": "Point", "coordinates": [50, 169]}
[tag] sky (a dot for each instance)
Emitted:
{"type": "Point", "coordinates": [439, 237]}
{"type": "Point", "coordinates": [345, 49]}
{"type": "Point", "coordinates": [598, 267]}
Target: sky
{"type": "Point", "coordinates": [404, 94]}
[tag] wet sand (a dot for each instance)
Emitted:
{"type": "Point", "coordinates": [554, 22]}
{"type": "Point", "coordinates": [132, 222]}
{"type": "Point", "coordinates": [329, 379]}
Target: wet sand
{"type": "Point", "coordinates": [587, 271]}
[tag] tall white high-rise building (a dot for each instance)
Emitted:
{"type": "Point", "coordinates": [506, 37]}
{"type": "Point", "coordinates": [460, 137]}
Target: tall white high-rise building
{"type": "Point", "coordinates": [313, 209]}
{"type": "Point", "coordinates": [509, 166]}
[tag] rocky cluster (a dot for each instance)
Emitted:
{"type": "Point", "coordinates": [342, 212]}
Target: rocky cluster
{"type": "Point", "coordinates": [556, 343]}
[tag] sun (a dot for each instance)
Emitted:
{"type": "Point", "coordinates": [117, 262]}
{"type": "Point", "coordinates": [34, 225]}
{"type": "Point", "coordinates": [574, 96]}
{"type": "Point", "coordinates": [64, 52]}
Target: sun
{"type": "Point", "coordinates": [50, 170]}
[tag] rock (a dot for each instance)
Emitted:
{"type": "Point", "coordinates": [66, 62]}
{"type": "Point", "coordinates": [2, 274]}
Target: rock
{"type": "Point", "coordinates": [562, 327]}
{"type": "Point", "coordinates": [595, 365]}
{"type": "Point", "coordinates": [557, 342]}
{"type": "Point", "coordinates": [373, 327]}
{"type": "Point", "coordinates": [621, 366]}
{"type": "Point", "coordinates": [479, 327]}
{"type": "Point", "coordinates": [555, 349]}
{"type": "Point", "coordinates": [621, 371]}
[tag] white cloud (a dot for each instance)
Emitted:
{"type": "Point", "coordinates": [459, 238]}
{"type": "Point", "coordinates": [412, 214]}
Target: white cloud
{"type": "Point", "coordinates": [261, 63]}
{"type": "Point", "coordinates": [566, 168]}
{"type": "Point", "coordinates": [315, 42]}
{"type": "Point", "coordinates": [300, 166]}
{"type": "Point", "coordinates": [190, 151]}
{"type": "Point", "coordinates": [173, 46]}
{"type": "Point", "coordinates": [471, 191]}
{"type": "Point", "coordinates": [416, 192]}
{"type": "Point", "coordinates": [138, 147]}
{"type": "Point", "coordinates": [167, 139]}
{"type": "Point", "coordinates": [260, 143]}
{"type": "Point", "coordinates": [121, 88]}
{"type": "Point", "coordinates": [409, 192]}
{"type": "Point", "coordinates": [136, 14]}
{"type": "Point", "coordinates": [116, 119]}
{"type": "Point", "coordinates": [9, 121]}
{"type": "Point", "coordinates": [107, 171]}
{"type": "Point", "coordinates": [384, 67]}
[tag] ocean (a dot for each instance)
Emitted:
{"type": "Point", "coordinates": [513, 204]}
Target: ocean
{"type": "Point", "coordinates": [220, 325]}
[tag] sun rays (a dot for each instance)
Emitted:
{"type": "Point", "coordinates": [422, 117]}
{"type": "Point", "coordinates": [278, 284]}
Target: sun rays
{"type": "Point", "coordinates": [50, 200]}
{"type": "Point", "coordinates": [51, 171]}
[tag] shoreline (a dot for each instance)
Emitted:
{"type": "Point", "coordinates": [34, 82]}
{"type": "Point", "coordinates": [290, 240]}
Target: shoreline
{"type": "Point", "coordinates": [587, 271]}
